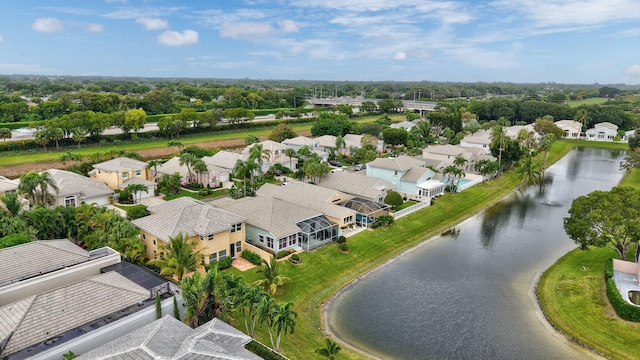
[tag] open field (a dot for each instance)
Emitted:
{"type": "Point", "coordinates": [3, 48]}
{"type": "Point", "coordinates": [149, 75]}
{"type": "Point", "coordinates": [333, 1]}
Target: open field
{"type": "Point", "coordinates": [590, 101]}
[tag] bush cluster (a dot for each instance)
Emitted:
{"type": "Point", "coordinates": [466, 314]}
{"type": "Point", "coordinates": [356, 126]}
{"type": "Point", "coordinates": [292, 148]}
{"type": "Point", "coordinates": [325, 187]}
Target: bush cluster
{"type": "Point", "coordinates": [263, 351]}
{"type": "Point", "coordinates": [251, 257]}
{"type": "Point", "coordinates": [295, 259]}
{"type": "Point", "coordinates": [224, 263]}
{"type": "Point", "coordinates": [623, 308]}
{"type": "Point", "coordinates": [284, 253]}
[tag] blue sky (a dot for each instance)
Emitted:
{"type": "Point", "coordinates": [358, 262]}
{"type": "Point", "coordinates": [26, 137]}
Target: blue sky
{"type": "Point", "coordinates": [563, 41]}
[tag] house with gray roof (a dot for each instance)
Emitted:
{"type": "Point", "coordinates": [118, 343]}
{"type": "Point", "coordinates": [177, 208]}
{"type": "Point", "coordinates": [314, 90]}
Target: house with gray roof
{"type": "Point", "coordinates": [168, 338]}
{"type": "Point", "coordinates": [480, 139]}
{"type": "Point", "coordinates": [404, 172]}
{"type": "Point", "coordinates": [124, 171]}
{"type": "Point", "coordinates": [214, 176]}
{"type": "Point", "coordinates": [8, 185]}
{"type": "Point", "coordinates": [572, 129]}
{"type": "Point", "coordinates": [357, 184]}
{"type": "Point", "coordinates": [30, 325]}
{"type": "Point", "coordinates": [407, 125]}
{"type": "Point", "coordinates": [274, 154]}
{"type": "Point", "coordinates": [75, 190]}
{"type": "Point", "coordinates": [31, 268]}
{"type": "Point", "coordinates": [355, 141]}
{"type": "Point", "coordinates": [278, 225]}
{"type": "Point", "coordinates": [322, 200]}
{"type": "Point", "coordinates": [217, 233]}
{"type": "Point", "coordinates": [225, 159]}
{"type": "Point", "coordinates": [448, 153]}
{"type": "Point", "coordinates": [604, 131]}
{"type": "Point", "coordinates": [299, 141]}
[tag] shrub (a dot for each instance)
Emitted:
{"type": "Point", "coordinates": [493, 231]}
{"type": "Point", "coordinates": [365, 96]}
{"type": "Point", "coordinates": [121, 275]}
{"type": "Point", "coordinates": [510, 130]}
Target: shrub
{"type": "Point", "coordinates": [623, 309]}
{"type": "Point", "coordinates": [224, 263]}
{"type": "Point", "coordinates": [14, 239]}
{"type": "Point", "coordinates": [343, 246]}
{"type": "Point", "coordinates": [295, 258]}
{"type": "Point", "coordinates": [393, 199]}
{"type": "Point", "coordinates": [608, 269]}
{"type": "Point", "coordinates": [136, 212]}
{"type": "Point", "coordinates": [204, 192]}
{"type": "Point", "coordinates": [263, 351]}
{"type": "Point", "coordinates": [282, 254]}
{"type": "Point", "coordinates": [383, 220]}
{"type": "Point", "coordinates": [252, 257]}
{"type": "Point", "coordinates": [342, 239]}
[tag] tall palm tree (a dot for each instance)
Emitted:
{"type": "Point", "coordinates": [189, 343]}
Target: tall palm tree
{"type": "Point", "coordinates": [136, 190]}
{"type": "Point", "coordinates": [187, 159]}
{"type": "Point", "coordinates": [180, 257]}
{"type": "Point", "coordinates": [272, 278]}
{"type": "Point", "coordinates": [258, 154]}
{"type": "Point", "coordinates": [200, 168]}
{"type": "Point", "coordinates": [284, 320]}
{"type": "Point", "coordinates": [529, 171]}
{"type": "Point", "coordinates": [500, 138]}
{"type": "Point", "coordinates": [11, 203]}
{"type": "Point", "coordinates": [340, 143]}
{"type": "Point", "coordinates": [28, 185]}
{"type": "Point", "coordinates": [241, 170]}
{"type": "Point", "coordinates": [154, 164]}
{"type": "Point", "coordinates": [205, 296]}
{"type": "Point", "coordinates": [289, 152]}
{"type": "Point", "coordinates": [330, 349]}
{"type": "Point", "coordinates": [45, 181]}
{"type": "Point", "coordinates": [264, 310]}
{"type": "Point", "coordinates": [460, 162]}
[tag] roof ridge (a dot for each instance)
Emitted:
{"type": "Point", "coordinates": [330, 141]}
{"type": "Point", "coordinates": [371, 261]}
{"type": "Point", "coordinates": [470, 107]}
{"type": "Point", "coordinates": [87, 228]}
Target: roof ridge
{"type": "Point", "coordinates": [143, 344]}
{"type": "Point", "coordinates": [32, 299]}
{"type": "Point", "coordinates": [111, 284]}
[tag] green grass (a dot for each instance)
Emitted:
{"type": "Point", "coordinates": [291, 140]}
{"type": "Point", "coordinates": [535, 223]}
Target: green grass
{"type": "Point", "coordinates": [590, 101]}
{"type": "Point", "coordinates": [572, 296]}
{"type": "Point", "coordinates": [183, 192]}
{"type": "Point", "coordinates": [405, 205]}
{"type": "Point", "coordinates": [326, 270]}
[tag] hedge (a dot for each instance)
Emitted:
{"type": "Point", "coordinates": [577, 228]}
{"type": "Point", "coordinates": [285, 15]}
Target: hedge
{"type": "Point", "coordinates": [252, 257]}
{"type": "Point", "coordinates": [625, 310]}
{"type": "Point", "coordinates": [263, 351]}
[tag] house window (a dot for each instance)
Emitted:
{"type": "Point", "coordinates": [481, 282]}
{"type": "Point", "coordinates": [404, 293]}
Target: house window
{"type": "Point", "coordinates": [261, 238]}
{"type": "Point", "coordinates": [269, 242]}
{"type": "Point", "coordinates": [201, 238]}
{"type": "Point", "coordinates": [154, 242]}
{"type": "Point", "coordinates": [236, 227]}
{"type": "Point", "coordinates": [138, 172]}
{"type": "Point", "coordinates": [238, 247]}
{"type": "Point", "coordinates": [395, 173]}
{"type": "Point", "coordinates": [282, 243]}
{"type": "Point", "coordinates": [348, 219]}
{"type": "Point", "coordinates": [222, 254]}
{"type": "Point", "coordinates": [213, 257]}
{"type": "Point", "coordinates": [144, 237]}
{"type": "Point", "coordinates": [210, 237]}
{"type": "Point", "coordinates": [293, 239]}
{"type": "Point", "coordinates": [125, 175]}
{"type": "Point", "coordinates": [70, 201]}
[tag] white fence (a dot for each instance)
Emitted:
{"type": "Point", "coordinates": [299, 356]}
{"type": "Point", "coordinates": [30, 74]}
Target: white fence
{"type": "Point", "coordinates": [411, 209]}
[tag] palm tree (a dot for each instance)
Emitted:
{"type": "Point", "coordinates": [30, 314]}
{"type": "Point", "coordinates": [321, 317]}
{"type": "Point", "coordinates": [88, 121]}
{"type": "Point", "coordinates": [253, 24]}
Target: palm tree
{"type": "Point", "coordinates": [499, 137]}
{"type": "Point", "coordinates": [135, 190]}
{"type": "Point", "coordinates": [11, 203]}
{"type": "Point", "coordinates": [582, 116]}
{"type": "Point", "coordinates": [28, 185]}
{"type": "Point", "coordinates": [340, 143]}
{"type": "Point", "coordinates": [258, 154]}
{"type": "Point", "coordinates": [330, 349]}
{"type": "Point", "coordinates": [45, 181]}
{"type": "Point", "coordinates": [154, 164]}
{"type": "Point", "coordinates": [264, 310]}
{"type": "Point", "coordinates": [187, 159]}
{"type": "Point", "coordinates": [290, 153]}
{"type": "Point", "coordinates": [240, 171]}
{"type": "Point", "coordinates": [529, 171]}
{"type": "Point", "coordinates": [200, 168]}
{"type": "Point", "coordinates": [284, 320]}
{"type": "Point", "coordinates": [205, 296]}
{"type": "Point", "coordinates": [460, 162]}
{"type": "Point", "coordinates": [272, 278]}
{"type": "Point", "coordinates": [180, 257]}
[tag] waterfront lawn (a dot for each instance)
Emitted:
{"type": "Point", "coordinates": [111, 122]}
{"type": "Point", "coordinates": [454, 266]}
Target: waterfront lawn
{"type": "Point", "coordinates": [572, 296]}
{"type": "Point", "coordinates": [631, 178]}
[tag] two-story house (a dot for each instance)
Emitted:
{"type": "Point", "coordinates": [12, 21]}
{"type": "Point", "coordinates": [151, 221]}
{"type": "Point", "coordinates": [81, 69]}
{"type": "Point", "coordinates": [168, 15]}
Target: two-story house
{"type": "Point", "coordinates": [216, 233]}
{"type": "Point", "coordinates": [75, 190]}
{"type": "Point", "coordinates": [118, 173]}
{"type": "Point", "coordinates": [404, 172]}
{"type": "Point", "coordinates": [604, 131]}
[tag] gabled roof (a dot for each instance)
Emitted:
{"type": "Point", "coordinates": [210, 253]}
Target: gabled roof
{"type": "Point", "coordinates": [38, 257]}
{"type": "Point", "coordinates": [607, 125]}
{"type": "Point", "coordinates": [224, 159]}
{"type": "Point", "coordinates": [328, 141]}
{"type": "Point", "coordinates": [356, 184]}
{"type": "Point", "coordinates": [445, 149]}
{"type": "Point", "coordinates": [301, 141]}
{"type": "Point", "coordinates": [407, 125]}
{"type": "Point", "coordinates": [513, 131]}
{"type": "Point", "coordinates": [168, 338]}
{"type": "Point", "coordinates": [482, 137]}
{"type": "Point", "coordinates": [416, 173]}
{"type": "Point", "coordinates": [569, 125]}
{"type": "Point", "coordinates": [312, 196]}
{"type": "Point", "coordinates": [44, 316]}
{"type": "Point", "coordinates": [400, 163]}
{"type": "Point", "coordinates": [70, 183]}
{"type": "Point", "coordinates": [7, 185]}
{"type": "Point", "coordinates": [273, 215]}
{"type": "Point", "coordinates": [121, 163]}
{"type": "Point", "coordinates": [187, 216]}
{"type": "Point", "coordinates": [268, 145]}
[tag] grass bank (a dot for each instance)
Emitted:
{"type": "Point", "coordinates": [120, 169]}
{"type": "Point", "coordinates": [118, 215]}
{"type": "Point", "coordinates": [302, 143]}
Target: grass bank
{"type": "Point", "coordinates": [572, 296]}
{"type": "Point", "coordinates": [326, 270]}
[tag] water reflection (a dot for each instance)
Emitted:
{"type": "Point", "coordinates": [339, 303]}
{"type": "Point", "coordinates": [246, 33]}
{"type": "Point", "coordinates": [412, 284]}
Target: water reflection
{"type": "Point", "coordinates": [466, 297]}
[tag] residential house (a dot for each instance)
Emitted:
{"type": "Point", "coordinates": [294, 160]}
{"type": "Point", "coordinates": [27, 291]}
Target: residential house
{"type": "Point", "coordinates": [480, 139]}
{"type": "Point", "coordinates": [275, 154]}
{"type": "Point", "coordinates": [572, 129]}
{"type": "Point", "coordinates": [215, 232]}
{"type": "Point", "coordinates": [357, 184]}
{"type": "Point", "coordinates": [8, 185]}
{"type": "Point", "coordinates": [355, 141]}
{"type": "Point", "coordinates": [213, 177]}
{"type": "Point", "coordinates": [32, 324]}
{"type": "Point", "coordinates": [407, 125]}
{"type": "Point", "coordinates": [404, 172]}
{"type": "Point", "coordinates": [448, 154]}
{"type": "Point", "coordinates": [604, 131]}
{"type": "Point", "coordinates": [75, 190]}
{"type": "Point", "coordinates": [299, 141]}
{"type": "Point", "coordinates": [119, 172]}
{"type": "Point", "coordinates": [326, 143]}
{"type": "Point", "coordinates": [277, 225]}
{"type": "Point", "coordinates": [625, 138]}
{"type": "Point", "coordinates": [513, 131]}
{"type": "Point", "coordinates": [225, 160]}
{"type": "Point", "coordinates": [38, 266]}
{"type": "Point", "coordinates": [626, 275]}
{"type": "Point", "coordinates": [169, 338]}
{"type": "Point", "coordinates": [322, 200]}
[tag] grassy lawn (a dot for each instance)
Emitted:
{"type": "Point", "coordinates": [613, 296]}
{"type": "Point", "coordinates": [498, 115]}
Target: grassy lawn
{"type": "Point", "coordinates": [572, 296]}
{"type": "Point", "coordinates": [326, 270]}
{"type": "Point", "coordinates": [194, 194]}
{"type": "Point", "coordinates": [405, 205]}
{"type": "Point", "coordinates": [590, 101]}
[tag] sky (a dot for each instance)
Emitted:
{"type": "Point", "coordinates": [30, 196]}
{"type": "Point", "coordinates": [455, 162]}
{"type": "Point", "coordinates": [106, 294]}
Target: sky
{"type": "Point", "coordinates": [534, 41]}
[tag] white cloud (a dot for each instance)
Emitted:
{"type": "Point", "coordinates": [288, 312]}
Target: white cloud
{"type": "Point", "coordinates": [400, 55]}
{"type": "Point", "coordinates": [176, 38]}
{"type": "Point", "coordinates": [95, 28]}
{"type": "Point", "coordinates": [633, 70]}
{"type": "Point", "coordinates": [288, 26]}
{"type": "Point", "coordinates": [247, 30]}
{"type": "Point", "coordinates": [47, 25]}
{"type": "Point", "coordinates": [153, 23]}
{"type": "Point", "coordinates": [1, 39]}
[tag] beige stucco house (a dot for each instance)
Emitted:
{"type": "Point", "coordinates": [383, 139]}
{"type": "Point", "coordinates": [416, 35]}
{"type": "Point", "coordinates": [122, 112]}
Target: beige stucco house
{"type": "Point", "coordinates": [119, 172]}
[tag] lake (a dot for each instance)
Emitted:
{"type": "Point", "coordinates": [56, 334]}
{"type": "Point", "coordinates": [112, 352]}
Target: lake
{"type": "Point", "coordinates": [470, 295]}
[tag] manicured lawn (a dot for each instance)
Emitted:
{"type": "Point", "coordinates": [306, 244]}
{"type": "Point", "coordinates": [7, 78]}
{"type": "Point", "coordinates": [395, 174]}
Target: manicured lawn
{"type": "Point", "coordinates": [631, 179]}
{"type": "Point", "coordinates": [572, 296]}
{"type": "Point", "coordinates": [405, 205]}
{"type": "Point", "coordinates": [183, 192]}
{"type": "Point", "coordinates": [590, 101]}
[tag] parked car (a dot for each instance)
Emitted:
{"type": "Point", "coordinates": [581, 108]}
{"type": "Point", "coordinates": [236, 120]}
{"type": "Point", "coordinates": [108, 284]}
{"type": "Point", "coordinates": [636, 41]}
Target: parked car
{"type": "Point", "coordinates": [359, 167]}
{"type": "Point", "coordinates": [335, 163]}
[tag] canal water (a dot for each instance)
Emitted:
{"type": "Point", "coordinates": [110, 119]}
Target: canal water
{"type": "Point", "coordinates": [469, 296]}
